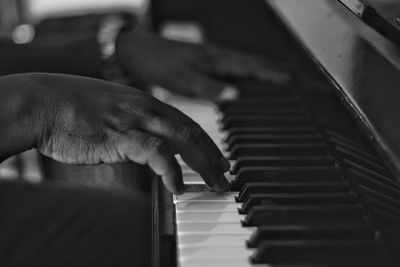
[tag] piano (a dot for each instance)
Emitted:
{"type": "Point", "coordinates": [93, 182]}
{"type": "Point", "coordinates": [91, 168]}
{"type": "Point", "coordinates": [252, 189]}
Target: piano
{"type": "Point", "coordinates": [315, 162]}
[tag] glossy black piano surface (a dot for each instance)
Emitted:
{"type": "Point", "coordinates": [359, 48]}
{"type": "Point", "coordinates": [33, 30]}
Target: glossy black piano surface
{"type": "Point", "coordinates": [311, 156]}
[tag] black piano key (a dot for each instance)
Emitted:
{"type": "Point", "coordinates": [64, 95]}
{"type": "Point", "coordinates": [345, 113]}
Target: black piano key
{"type": "Point", "coordinates": [260, 150]}
{"type": "Point", "coordinates": [284, 101]}
{"type": "Point", "coordinates": [275, 92]}
{"type": "Point", "coordinates": [308, 214]}
{"type": "Point", "coordinates": [296, 199]}
{"type": "Point", "coordinates": [265, 110]}
{"type": "Point", "coordinates": [372, 183]}
{"type": "Point", "coordinates": [245, 116]}
{"type": "Point", "coordinates": [265, 129]}
{"type": "Point", "coordinates": [290, 174]}
{"type": "Point", "coordinates": [334, 135]}
{"type": "Point", "coordinates": [272, 138]}
{"type": "Point", "coordinates": [357, 252]}
{"type": "Point", "coordinates": [244, 121]}
{"type": "Point", "coordinates": [295, 172]}
{"type": "Point", "coordinates": [293, 187]}
{"type": "Point", "coordinates": [380, 179]}
{"type": "Point", "coordinates": [282, 161]}
{"type": "Point", "coordinates": [361, 152]}
{"type": "Point", "coordinates": [372, 164]}
{"type": "Point", "coordinates": [262, 89]}
{"type": "Point", "coordinates": [306, 232]}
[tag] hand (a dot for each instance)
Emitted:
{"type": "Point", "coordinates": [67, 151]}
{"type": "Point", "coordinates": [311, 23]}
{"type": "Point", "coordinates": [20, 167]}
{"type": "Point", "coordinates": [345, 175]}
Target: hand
{"type": "Point", "coordinates": [187, 69]}
{"type": "Point", "coordinates": [86, 121]}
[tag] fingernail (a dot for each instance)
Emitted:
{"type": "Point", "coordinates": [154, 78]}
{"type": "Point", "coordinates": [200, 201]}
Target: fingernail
{"type": "Point", "coordinates": [225, 164]}
{"type": "Point", "coordinates": [181, 189]}
{"type": "Point", "coordinates": [229, 93]}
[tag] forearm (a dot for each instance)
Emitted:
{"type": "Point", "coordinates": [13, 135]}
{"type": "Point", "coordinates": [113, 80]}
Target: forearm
{"type": "Point", "coordinates": [18, 125]}
{"type": "Point", "coordinates": [80, 57]}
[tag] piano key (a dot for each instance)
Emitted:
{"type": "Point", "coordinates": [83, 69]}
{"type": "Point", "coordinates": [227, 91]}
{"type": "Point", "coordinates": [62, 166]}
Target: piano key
{"type": "Point", "coordinates": [214, 252]}
{"type": "Point", "coordinates": [349, 155]}
{"type": "Point", "coordinates": [371, 183]}
{"type": "Point", "coordinates": [208, 216]}
{"type": "Point", "coordinates": [254, 87]}
{"type": "Point", "coordinates": [292, 187]}
{"type": "Point", "coordinates": [235, 110]}
{"type": "Point", "coordinates": [192, 177]}
{"type": "Point", "coordinates": [295, 172]}
{"type": "Point", "coordinates": [205, 240]}
{"type": "Point", "coordinates": [371, 173]}
{"type": "Point", "coordinates": [304, 149]}
{"type": "Point", "coordinates": [322, 251]}
{"type": "Point", "coordinates": [206, 206]}
{"type": "Point", "coordinates": [184, 167]}
{"type": "Point", "coordinates": [270, 102]}
{"type": "Point", "coordinates": [272, 138]}
{"type": "Point", "coordinates": [297, 199]}
{"type": "Point", "coordinates": [206, 196]}
{"type": "Point", "coordinates": [270, 129]}
{"type": "Point", "coordinates": [306, 232]}
{"type": "Point", "coordinates": [213, 228]}
{"type": "Point", "coordinates": [282, 161]}
{"type": "Point", "coordinates": [270, 120]}
{"type": "Point", "coordinates": [187, 171]}
{"type": "Point", "coordinates": [355, 149]}
{"type": "Point", "coordinates": [327, 214]}
{"type": "Point", "coordinates": [228, 262]}
{"type": "Point", "coordinates": [276, 174]}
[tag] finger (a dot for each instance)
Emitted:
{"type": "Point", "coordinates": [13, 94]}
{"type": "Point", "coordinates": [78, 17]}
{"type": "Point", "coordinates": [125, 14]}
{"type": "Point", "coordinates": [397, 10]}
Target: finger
{"type": "Point", "coordinates": [232, 63]}
{"type": "Point", "coordinates": [189, 82]}
{"type": "Point", "coordinates": [195, 147]}
{"type": "Point", "coordinates": [146, 149]}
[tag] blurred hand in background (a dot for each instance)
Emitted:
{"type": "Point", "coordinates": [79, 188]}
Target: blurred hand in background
{"type": "Point", "coordinates": [191, 69]}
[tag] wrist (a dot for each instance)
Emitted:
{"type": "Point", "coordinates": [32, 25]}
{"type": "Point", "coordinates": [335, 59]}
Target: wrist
{"type": "Point", "coordinates": [19, 123]}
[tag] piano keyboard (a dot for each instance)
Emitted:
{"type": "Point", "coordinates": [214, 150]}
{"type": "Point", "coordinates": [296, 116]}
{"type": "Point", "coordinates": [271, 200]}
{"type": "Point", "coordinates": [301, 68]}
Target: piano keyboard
{"type": "Point", "coordinates": [289, 204]}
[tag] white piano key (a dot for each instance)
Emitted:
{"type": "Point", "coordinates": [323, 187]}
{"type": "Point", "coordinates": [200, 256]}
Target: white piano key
{"type": "Point", "coordinates": [213, 228]}
{"type": "Point", "coordinates": [187, 171]}
{"type": "Point", "coordinates": [192, 177]}
{"type": "Point", "coordinates": [206, 196]}
{"type": "Point", "coordinates": [207, 206]}
{"type": "Point", "coordinates": [205, 240]}
{"type": "Point", "coordinates": [209, 216]}
{"type": "Point", "coordinates": [185, 167]}
{"type": "Point", "coordinates": [230, 262]}
{"type": "Point", "coordinates": [180, 160]}
{"type": "Point", "coordinates": [214, 252]}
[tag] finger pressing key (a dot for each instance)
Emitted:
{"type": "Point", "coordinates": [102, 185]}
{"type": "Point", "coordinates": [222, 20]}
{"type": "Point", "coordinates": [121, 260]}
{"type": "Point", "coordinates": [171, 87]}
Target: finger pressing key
{"type": "Point", "coordinates": [146, 149]}
{"type": "Point", "coordinates": [195, 147]}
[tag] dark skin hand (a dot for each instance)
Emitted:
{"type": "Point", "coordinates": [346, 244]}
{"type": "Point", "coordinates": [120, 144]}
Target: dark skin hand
{"type": "Point", "coordinates": [86, 121]}
{"type": "Point", "coordinates": [188, 69]}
